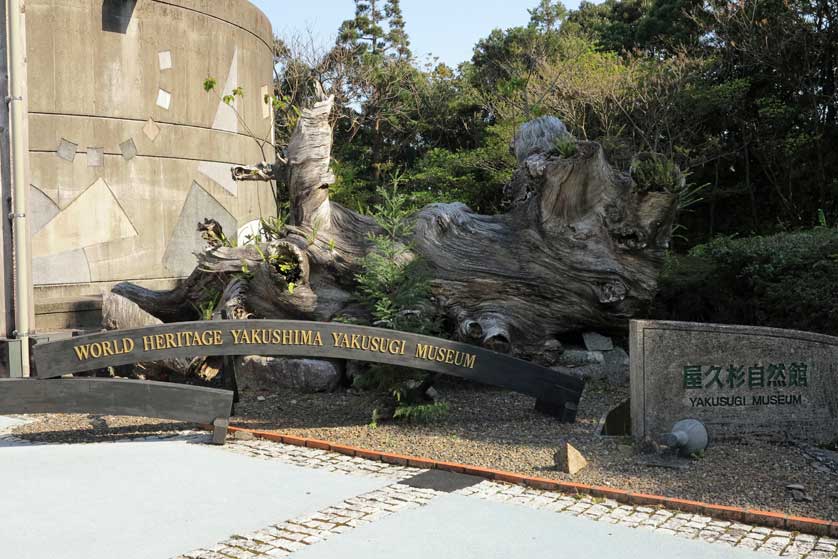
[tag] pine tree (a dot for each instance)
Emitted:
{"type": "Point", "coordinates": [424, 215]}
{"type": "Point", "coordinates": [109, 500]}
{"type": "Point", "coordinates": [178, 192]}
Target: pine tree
{"type": "Point", "coordinates": [547, 16]}
{"type": "Point", "coordinates": [397, 34]}
{"type": "Point", "coordinates": [365, 27]}
{"type": "Point", "coordinates": [378, 74]}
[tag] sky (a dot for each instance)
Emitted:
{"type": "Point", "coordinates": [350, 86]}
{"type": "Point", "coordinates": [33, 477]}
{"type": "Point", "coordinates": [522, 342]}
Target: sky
{"type": "Point", "coordinates": [447, 28]}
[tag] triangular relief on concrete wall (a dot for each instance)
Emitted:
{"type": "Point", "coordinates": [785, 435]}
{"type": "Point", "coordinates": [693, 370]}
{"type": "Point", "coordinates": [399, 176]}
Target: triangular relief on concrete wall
{"type": "Point", "coordinates": [94, 217]}
{"type": "Point", "coordinates": [185, 240]}
{"type": "Point", "coordinates": [225, 115]}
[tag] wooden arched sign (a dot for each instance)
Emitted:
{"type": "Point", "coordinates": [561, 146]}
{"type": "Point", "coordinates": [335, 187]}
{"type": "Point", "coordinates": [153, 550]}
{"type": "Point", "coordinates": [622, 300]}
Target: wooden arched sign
{"type": "Point", "coordinates": [555, 392]}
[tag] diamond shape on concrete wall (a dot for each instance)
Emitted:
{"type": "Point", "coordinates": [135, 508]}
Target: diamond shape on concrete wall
{"type": "Point", "coordinates": [128, 149]}
{"type": "Point", "coordinates": [67, 150]}
{"type": "Point", "coordinates": [151, 129]}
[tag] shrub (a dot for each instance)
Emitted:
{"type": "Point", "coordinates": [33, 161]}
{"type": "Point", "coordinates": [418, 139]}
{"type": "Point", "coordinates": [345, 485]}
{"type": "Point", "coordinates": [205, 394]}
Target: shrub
{"type": "Point", "coordinates": [787, 280]}
{"type": "Point", "coordinates": [565, 146]}
{"type": "Point", "coordinates": [394, 287]}
{"type": "Point", "coordinates": [393, 283]}
{"type": "Point", "coordinates": [654, 173]}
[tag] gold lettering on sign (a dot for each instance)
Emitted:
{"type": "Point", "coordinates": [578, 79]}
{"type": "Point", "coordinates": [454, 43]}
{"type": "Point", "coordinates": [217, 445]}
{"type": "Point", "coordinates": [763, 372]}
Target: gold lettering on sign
{"type": "Point", "coordinates": [447, 356]}
{"type": "Point", "coordinates": [104, 349]}
{"type": "Point", "coordinates": [276, 336]}
{"type": "Point", "coordinates": [175, 340]}
{"type": "Point", "coordinates": [363, 342]}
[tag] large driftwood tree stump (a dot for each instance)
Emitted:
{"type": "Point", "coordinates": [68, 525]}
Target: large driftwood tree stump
{"type": "Point", "coordinates": [580, 248]}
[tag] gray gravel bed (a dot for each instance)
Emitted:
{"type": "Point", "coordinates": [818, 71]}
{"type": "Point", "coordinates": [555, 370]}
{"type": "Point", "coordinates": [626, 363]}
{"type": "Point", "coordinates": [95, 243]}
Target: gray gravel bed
{"type": "Point", "coordinates": [501, 430]}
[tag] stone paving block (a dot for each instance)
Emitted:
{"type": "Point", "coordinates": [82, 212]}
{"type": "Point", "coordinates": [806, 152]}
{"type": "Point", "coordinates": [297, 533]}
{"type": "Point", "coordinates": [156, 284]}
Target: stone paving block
{"type": "Point", "coordinates": [283, 539]}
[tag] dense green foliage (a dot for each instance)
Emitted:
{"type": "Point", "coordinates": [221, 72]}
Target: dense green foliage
{"type": "Point", "coordinates": [742, 95]}
{"type": "Point", "coordinates": [785, 280]}
{"type": "Point", "coordinates": [739, 95]}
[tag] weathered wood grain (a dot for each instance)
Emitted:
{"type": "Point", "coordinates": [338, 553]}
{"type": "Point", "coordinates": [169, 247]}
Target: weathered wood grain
{"type": "Point", "coordinates": [579, 248]}
{"type": "Point", "coordinates": [161, 400]}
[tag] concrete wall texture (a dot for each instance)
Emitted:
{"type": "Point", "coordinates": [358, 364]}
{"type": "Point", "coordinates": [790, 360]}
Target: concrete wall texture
{"type": "Point", "coordinates": [128, 152]}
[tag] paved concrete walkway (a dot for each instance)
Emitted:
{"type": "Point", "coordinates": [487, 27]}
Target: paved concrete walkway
{"type": "Point", "coordinates": [179, 497]}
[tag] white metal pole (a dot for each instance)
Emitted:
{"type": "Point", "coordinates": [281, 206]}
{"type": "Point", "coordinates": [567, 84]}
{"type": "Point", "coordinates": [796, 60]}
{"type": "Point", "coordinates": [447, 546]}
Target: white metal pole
{"type": "Point", "coordinates": [23, 263]}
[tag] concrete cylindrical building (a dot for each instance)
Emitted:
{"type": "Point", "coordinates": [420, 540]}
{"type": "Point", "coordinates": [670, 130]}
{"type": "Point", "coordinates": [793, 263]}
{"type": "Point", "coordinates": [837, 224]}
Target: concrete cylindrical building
{"type": "Point", "coordinates": [127, 151]}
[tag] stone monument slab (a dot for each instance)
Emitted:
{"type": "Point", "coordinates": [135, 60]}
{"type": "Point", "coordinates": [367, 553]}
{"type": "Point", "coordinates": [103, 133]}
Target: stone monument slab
{"type": "Point", "coordinates": [740, 381]}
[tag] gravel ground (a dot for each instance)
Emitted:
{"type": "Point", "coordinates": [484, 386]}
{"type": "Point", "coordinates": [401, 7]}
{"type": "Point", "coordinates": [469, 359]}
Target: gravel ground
{"type": "Point", "coordinates": [498, 429]}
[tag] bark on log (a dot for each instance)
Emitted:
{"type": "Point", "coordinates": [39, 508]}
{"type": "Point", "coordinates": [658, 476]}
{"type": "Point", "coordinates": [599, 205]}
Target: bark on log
{"type": "Point", "coordinates": [580, 248]}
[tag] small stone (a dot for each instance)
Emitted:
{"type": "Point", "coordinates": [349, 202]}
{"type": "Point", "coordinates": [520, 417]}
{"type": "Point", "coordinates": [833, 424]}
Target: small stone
{"type": "Point", "coordinates": [800, 496]}
{"type": "Point", "coordinates": [552, 351]}
{"type": "Point", "coordinates": [568, 459]}
{"type": "Point", "coordinates": [616, 367]}
{"type": "Point", "coordinates": [243, 436]}
{"type": "Point", "coordinates": [260, 398]}
{"type": "Point", "coordinates": [597, 342]}
{"type": "Point", "coordinates": [795, 487]}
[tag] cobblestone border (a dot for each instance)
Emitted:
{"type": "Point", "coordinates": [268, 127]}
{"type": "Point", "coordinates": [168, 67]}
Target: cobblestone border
{"type": "Point", "coordinates": [779, 521]}
{"type": "Point", "coordinates": [284, 538]}
{"type": "Point", "coordinates": [682, 524]}
{"type": "Point", "coordinates": [371, 506]}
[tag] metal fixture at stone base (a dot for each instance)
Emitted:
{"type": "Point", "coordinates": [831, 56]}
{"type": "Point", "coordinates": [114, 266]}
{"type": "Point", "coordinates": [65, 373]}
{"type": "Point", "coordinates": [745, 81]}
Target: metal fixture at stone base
{"type": "Point", "coordinates": [688, 436]}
